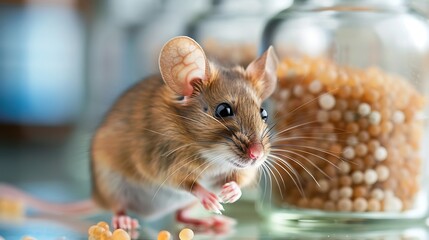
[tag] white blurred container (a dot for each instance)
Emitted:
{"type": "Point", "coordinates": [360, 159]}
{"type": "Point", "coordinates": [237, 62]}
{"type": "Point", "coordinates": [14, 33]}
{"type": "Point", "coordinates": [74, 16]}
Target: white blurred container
{"type": "Point", "coordinates": [230, 32]}
{"type": "Point", "coordinates": [41, 63]}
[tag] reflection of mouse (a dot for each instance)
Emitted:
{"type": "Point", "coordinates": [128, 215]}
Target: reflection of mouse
{"type": "Point", "coordinates": [199, 135]}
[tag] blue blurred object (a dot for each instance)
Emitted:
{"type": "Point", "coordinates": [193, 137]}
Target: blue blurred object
{"type": "Point", "coordinates": [41, 64]}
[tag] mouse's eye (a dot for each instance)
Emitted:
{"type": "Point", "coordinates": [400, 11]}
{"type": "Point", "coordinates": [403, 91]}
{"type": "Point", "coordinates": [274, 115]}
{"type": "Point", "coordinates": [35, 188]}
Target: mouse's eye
{"type": "Point", "coordinates": [264, 115]}
{"type": "Point", "coordinates": [223, 110]}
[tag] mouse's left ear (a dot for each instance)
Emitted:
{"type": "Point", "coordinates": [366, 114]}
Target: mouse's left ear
{"type": "Point", "coordinates": [182, 63]}
{"type": "Point", "coordinates": [263, 72]}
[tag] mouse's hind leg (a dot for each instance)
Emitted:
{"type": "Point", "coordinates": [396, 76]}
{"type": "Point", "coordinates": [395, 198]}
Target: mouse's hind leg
{"type": "Point", "coordinates": [123, 221]}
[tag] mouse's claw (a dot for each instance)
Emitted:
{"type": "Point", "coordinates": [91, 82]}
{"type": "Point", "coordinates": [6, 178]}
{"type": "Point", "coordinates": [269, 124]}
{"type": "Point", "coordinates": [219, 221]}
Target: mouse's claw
{"type": "Point", "coordinates": [230, 193]}
{"type": "Point", "coordinates": [210, 201]}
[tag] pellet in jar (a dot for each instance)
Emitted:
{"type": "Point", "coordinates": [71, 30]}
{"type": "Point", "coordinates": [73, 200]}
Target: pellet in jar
{"type": "Point", "coordinates": [354, 136]}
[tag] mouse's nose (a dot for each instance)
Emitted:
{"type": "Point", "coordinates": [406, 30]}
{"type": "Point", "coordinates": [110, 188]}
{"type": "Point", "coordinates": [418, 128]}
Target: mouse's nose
{"type": "Point", "coordinates": [255, 150]}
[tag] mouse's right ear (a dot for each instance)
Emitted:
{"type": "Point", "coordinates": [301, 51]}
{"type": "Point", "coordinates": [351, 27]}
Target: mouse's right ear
{"type": "Point", "coordinates": [182, 62]}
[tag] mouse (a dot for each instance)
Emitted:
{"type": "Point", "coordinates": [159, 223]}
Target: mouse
{"type": "Point", "coordinates": [197, 133]}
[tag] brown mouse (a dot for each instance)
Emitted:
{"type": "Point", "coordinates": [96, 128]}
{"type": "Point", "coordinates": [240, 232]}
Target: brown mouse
{"type": "Point", "coordinates": [196, 133]}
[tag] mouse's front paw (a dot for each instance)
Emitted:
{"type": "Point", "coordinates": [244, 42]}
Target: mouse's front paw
{"type": "Point", "coordinates": [209, 200]}
{"type": "Point", "coordinates": [230, 193]}
{"type": "Point", "coordinates": [211, 203]}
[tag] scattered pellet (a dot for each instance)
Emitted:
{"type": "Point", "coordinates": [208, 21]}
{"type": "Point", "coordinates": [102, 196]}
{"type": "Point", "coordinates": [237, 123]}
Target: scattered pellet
{"type": "Point", "coordinates": [164, 235]}
{"type": "Point", "coordinates": [186, 234]}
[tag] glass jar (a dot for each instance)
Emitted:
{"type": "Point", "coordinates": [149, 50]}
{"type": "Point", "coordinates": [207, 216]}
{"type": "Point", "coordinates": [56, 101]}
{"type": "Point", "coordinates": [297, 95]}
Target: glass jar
{"type": "Point", "coordinates": [350, 110]}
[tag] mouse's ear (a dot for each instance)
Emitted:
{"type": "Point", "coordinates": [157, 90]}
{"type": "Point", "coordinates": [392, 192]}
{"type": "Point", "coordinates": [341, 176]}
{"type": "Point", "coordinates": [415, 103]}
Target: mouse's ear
{"type": "Point", "coordinates": [263, 72]}
{"type": "Point", "coordinates": [182, 62]}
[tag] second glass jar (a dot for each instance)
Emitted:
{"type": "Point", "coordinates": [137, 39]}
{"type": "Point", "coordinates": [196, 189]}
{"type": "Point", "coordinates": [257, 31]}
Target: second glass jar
{"type": "Point", "coordinates": [350, 113]}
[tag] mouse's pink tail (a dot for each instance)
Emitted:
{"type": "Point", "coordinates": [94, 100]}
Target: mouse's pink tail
{"type": "Point", "coordinates": [84, 207]}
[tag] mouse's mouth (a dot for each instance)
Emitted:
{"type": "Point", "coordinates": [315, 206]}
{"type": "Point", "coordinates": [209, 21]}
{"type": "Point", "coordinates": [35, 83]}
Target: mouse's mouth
{"type": "Point", "coordinates": [242, 163]}
{"type": "Point", "coordinates": [225, 155]}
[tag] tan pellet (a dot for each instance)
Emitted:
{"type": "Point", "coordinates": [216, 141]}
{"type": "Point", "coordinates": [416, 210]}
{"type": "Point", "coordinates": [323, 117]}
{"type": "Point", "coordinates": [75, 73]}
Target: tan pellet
{"type": "Point", "coordinates": [365, 132]}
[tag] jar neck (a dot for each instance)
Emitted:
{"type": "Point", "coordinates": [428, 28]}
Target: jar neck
{"type": "Point", "coordinates": [311, 4]}
{"type": "Point", "coordinates": [236, 5]}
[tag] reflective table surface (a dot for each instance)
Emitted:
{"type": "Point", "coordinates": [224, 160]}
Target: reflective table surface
{"type": "Point", "coordinates": [59, 172]}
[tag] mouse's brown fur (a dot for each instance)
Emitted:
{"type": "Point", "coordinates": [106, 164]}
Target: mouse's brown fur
{"type": "Point", "coordinates": [153, 138]}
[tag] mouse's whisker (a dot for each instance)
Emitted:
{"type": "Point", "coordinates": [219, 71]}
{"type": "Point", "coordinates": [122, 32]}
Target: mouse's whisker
{"type": "Point", "coordinates": [269, 166]}
{"type": "Point", "coordinates": [150, 130]}
{"type": "Point", "coordinates": [273, 163]}
{"type": "Point", "coordinates": [228, 138]}
{"type": "Point", "coordinates": [330, 153]}
{"type": "Point", "coordinates": [210, 164]}
{"type": "Point", "coordinates": [294, 127]}
{"type": "Point", "coordinates": [269, 180]}
{"type": "Point", "coordinates": [307, 160]}
{"type": "Point", "coordinates": [310, 101]}
{"type": "Point", "coordinates": [289, 169]}
{"type": "Point", "coordinates": [269, 130]}
{"type": "Point", "coordinates": [213, 142]}
{"type": "Point", "coordinates": [299, 116]}
{"type": "Point", "coordinates": [297, 184]}
{"type": "Point", "coordinates": [310, 153]}
{"type": "Point", "coordinates": [282, 141]}
{"type": "Point", "coordinates": [177, 149]}
{"type": "Point", "coordinates": [184, 117]}
{"type": "Point", "coordinates": [176, 171]}
{"type": "Point", "coordinates": [199, 121]}
{"type": "Point", "coordinates": [262, 174]}
{"type": "Point", "coordinates": [192, 172]}
{"type": "Point", "coordinates": [310, 129]}
{"type": "Point", "coordinates": [264, 131]}
{"type": "Point", "coordinates": [219, 122]}
{"type": "Point", "coordinates": [280, 157]}
{"type": "Point", "coordinates": [250, 136]}
{"type": "Point", "coordinates": [294, 138]}
{"type": "Point", "coordinates": [302, 116]}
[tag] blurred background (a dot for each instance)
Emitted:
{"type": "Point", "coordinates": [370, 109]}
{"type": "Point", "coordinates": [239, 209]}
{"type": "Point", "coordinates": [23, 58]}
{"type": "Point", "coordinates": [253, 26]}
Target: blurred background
{"type": "Point", "coordinates": [63, 63]}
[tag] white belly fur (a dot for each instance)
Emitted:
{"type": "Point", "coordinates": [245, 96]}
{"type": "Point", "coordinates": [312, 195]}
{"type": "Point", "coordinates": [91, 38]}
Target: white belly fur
{"type": "Point", "coordinates": [149, 201]}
